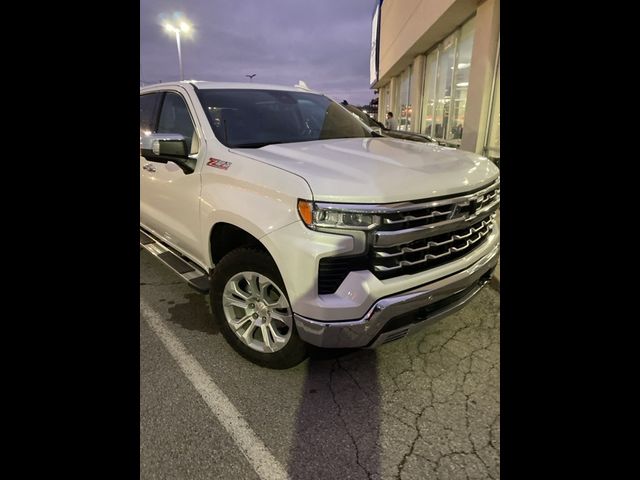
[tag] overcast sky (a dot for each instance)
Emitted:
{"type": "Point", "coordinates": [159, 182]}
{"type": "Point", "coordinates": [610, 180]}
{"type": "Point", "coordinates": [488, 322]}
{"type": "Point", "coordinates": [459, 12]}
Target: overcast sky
{"type": "Point", "coordinates": [323, 42]}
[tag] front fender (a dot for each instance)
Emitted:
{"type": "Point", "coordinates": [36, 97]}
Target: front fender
{"type": "Point", "coordinates": [256, 197]}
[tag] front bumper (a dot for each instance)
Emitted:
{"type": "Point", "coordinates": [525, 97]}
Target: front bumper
{"type": "Point", "coordinates": [398, 315]}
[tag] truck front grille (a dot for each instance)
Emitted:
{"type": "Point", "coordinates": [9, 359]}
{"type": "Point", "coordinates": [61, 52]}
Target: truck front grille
{"type": "Point", "coordinates": [417, 236]}
{"type": "Point", "coordinates": [434, 214]}
{"type": "Point", "coordinates": [422, 254]}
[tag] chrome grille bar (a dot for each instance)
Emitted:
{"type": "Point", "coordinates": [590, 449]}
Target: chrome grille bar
{"type": "Point", "coordinates": [433, 214]}
{"type": "Point", "coordinates": [480, 232]}
{"type": "Point", "coordinates": [430, 244]}
{"type": "Point", "coordinates": [387, 208]}
{"type": "Point", "coordinates": [399, 237]}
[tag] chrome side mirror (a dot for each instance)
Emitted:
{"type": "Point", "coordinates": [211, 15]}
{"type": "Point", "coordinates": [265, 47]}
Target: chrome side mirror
{"type": "Point", "coordinates": [164, 147]}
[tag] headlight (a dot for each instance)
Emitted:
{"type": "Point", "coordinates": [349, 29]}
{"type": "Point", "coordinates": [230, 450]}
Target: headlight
{"type": "Point", "coordinates": [335, 216]}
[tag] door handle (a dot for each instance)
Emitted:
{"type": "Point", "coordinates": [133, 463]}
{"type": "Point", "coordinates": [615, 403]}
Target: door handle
{"type": "Point", "coordinates": [149, 167]}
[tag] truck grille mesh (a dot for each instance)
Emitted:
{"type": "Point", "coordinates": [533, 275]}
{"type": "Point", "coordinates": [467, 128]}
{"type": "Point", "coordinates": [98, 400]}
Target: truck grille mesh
{"type": "Point", "coordinates": [417, 236]}
{"type": "Point", "coordinates": [425, 253]}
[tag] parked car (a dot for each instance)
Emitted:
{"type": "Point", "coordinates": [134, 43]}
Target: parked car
{"type": "Point", "coordinates": [302, 224]}
{"type": "Point", "coordinates": [380, 128]}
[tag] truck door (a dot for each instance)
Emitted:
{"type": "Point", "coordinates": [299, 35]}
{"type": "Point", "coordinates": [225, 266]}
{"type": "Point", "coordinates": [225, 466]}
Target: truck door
{"type": "Point", "coordinates": [170, 189]}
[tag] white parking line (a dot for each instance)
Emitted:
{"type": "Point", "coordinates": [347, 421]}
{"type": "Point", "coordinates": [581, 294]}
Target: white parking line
{"type": "Point", "coordinates": [260, 458]}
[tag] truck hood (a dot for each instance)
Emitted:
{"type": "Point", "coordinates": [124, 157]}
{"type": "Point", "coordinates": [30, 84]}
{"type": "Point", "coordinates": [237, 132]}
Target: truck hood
{"type": "Point", "coordinates": [377, 170]}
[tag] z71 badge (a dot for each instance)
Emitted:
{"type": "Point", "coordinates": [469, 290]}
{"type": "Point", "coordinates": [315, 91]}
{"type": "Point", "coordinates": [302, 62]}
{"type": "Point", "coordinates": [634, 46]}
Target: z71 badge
{"type": "Point", "coordinates": [215, 163]}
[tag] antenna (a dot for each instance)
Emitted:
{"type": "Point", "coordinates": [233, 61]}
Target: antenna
{"type": "Point", "coordinates": [301, 84]}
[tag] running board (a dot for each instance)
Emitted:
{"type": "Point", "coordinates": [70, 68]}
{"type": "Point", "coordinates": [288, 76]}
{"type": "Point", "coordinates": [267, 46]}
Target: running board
{"type": "Point", "coordinates": [191, 273]}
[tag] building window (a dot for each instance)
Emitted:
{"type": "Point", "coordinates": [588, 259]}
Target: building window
{"type": "Point", "coordinates": [492, 143]}
{"type": "Point", "coordinates": [404, 117]}
{"type": "Point", "coordinates": [387, 104]}
{"type": "Point", "coordinates": [446, 58]}
{"type": "Point", "coordinates": [461, 81]}
{"type": "Point", "coordinates": [395, 98]}
{"type": "Point", "coordinates": [429, 98]}
{"type": "Point", "coordinates": [445, 86]}
{"type": "Point", "coordinates": [384, 102]}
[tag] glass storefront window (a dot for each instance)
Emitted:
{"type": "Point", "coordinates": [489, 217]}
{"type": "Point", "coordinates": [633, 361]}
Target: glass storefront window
{"type": "Point", "coordinates": [446, 82]}
{"type": "Point", "coordinates": [461, 81]}
{"type": "Point", "coordinates": [492, 147]}
{"type": "Point", "coordinates": [395, 101]}
{"type": "Point", "coordinates": [446, 58]}
{"type": "Point", "coordinates": [429, 98]}
{"type": "Point", "coordinates": [404, 117]}
{"type": "Point", "coordinates": [444, 89]}
{"type": "Point", "coordinates": [383, 103]}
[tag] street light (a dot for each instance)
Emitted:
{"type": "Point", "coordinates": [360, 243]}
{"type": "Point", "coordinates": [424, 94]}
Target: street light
{"type": "Point", "coordinates": [181, 27]}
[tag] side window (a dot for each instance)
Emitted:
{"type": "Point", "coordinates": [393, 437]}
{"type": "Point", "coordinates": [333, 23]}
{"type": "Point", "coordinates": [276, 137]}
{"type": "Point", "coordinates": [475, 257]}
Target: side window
{"type": "Point", "coordinates": [148, 112]}
{"type": "Point", "coordinates": [175, 118]}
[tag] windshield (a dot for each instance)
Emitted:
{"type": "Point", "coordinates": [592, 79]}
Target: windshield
{"type": "Point", "coordinates": [243, 118]}
{"type": "Point", "coordinates": [364, 117]}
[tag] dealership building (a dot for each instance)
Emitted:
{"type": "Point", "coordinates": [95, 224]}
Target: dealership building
{"type": "Point", "coordinates": [436, 66]}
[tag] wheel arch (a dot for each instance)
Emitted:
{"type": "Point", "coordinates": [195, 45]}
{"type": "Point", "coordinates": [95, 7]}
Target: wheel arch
{"type": "Point", "coordinates": [225, 237]}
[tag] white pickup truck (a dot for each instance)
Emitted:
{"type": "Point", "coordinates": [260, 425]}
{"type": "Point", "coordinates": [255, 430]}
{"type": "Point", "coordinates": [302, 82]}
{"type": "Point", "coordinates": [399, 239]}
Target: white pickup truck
{"type": "Point", "coordinates": [304, 225]}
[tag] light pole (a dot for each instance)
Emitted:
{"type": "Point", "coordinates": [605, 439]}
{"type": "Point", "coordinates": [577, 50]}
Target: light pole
{"type": "Point", "coordinates": [181, 27]}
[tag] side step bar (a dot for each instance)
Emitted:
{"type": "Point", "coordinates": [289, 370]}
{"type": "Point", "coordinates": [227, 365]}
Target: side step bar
{"type": "Point", "coordinates": [191, 273]}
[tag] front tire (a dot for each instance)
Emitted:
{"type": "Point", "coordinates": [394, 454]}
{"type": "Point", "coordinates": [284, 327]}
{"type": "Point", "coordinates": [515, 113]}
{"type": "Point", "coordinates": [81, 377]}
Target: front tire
{"type": "Point", "coordinates": [250, 304]}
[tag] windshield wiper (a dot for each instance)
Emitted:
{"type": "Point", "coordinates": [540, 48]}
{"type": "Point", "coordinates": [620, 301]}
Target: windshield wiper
{"type": "Point", "coordinates": [254, 144]}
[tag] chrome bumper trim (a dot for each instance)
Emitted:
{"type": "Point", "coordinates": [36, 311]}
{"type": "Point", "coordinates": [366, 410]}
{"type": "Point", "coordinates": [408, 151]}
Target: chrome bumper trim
{"type": "Point", "coordinates": [365, 331]}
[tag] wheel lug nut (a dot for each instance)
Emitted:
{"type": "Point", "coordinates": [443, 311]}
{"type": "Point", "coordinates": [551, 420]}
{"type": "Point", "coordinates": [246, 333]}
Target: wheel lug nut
{"type": "Point", "coordinates": [251, 305]}
{"type": "Point", "coordinates": [255, 315]}
{"type": "Point", "coordinates": [264, 318]}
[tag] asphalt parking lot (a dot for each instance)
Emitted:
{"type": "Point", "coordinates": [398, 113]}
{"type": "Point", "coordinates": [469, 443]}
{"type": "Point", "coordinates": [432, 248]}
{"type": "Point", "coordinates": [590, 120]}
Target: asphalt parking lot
{"type": "Point", "coordinates": [426, 406]}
